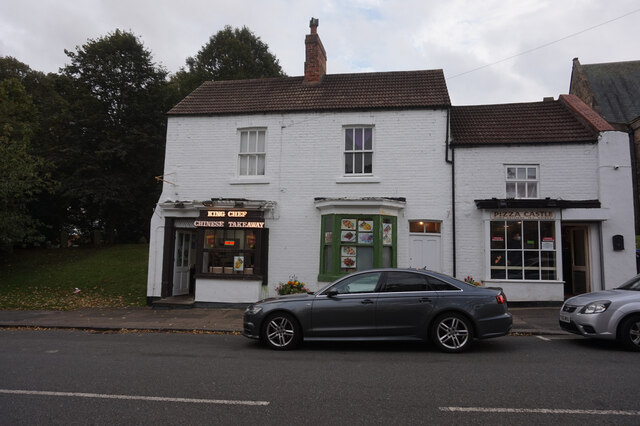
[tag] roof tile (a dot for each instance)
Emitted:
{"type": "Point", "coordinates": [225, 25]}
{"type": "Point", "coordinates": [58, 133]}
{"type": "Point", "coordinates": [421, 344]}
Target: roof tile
{"type": "Point", "coordinates": [382, 90]}
{"type": "Point", "coordinates": [519, 123]}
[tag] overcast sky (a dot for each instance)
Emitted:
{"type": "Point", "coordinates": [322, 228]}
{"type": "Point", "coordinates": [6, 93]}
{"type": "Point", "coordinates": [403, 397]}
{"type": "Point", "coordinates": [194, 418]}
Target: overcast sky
{"type": "Point", "coordinates": [491, 51]}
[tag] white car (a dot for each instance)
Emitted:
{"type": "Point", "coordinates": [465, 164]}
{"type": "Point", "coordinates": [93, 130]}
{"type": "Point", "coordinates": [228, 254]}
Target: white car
{"type": "Point", "coordinates": [610, 314]}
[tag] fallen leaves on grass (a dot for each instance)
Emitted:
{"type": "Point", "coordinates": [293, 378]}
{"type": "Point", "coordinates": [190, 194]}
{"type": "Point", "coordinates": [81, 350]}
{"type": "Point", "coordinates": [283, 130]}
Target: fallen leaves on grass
{"type": "Point", "coordinates": [36, 298]}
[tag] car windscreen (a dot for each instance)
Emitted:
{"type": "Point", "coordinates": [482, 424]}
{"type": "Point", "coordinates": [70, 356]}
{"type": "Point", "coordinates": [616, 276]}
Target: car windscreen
{"type": "Point", "coordinates": [632, 284]}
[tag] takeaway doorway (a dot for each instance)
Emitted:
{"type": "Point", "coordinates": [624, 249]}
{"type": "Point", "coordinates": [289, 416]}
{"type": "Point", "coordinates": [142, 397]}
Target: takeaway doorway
{"type": "Point", "coordinates": [184, 262]}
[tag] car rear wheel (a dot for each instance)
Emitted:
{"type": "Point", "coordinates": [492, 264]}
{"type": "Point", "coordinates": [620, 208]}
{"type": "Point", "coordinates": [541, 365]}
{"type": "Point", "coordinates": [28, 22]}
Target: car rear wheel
{"type": "Point", "coordinates": [452, 332]}
{"type": "Point", "coordinates": [630, 333]}
{"type": "Point", "coordinates": [281, 331]}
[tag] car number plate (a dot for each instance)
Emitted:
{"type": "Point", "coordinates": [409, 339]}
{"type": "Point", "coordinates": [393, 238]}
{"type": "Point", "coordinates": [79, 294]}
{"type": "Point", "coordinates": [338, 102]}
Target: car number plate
{"type": "Point", "coordinates": [565, 318]}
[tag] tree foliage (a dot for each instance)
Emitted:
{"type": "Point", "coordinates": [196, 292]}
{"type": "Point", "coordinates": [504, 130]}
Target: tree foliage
{"type": "Point", "coordinates": [49, 142]}
{"type": "Point", "coordinates": [79, 149]}
{"type": "Point", "coordinates": [21, 174]}
{"type": "Point", "coordinates": [230, 54]}
{"type": "Point", "coordinates": [117, 139]}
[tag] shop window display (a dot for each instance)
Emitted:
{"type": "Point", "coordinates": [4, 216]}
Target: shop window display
{"type": "Point", "coordinates": [229, 251]}
{"type": "Point", "coordinates": [523, 250]}
{"type": "Point", "coordinates": [355, 243]}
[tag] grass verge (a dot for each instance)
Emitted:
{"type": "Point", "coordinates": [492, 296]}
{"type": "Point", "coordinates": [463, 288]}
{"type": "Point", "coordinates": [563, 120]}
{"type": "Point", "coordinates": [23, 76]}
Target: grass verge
{"type": "Point", "coordinates": [65, 279]}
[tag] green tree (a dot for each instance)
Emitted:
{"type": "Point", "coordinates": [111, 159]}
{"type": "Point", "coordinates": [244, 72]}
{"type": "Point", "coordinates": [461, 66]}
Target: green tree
{"type": "Point", "coordinates": [21, 174]}
{"type": "Point", "coordinates": [230, 54]}
{"type": "Point", "coordinates": [118, 99]}
{"type": "Point", "coordinates": [49, 142]}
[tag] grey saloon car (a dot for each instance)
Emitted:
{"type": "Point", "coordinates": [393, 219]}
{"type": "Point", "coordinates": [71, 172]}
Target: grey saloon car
{"type": "Point", "coordinates": [383, 304]}
{"type": "Point", "coordinates": [610, 314]}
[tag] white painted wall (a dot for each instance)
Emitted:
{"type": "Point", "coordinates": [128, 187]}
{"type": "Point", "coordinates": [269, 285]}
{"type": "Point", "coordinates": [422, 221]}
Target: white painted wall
{"type": "Point", "coordinates": [568, 171]}
{"type": "Point", "coordinates": [615, 191]}
{"type": "Point", "coordinates": [305, 160]}
{"type": "Point", "coordinates": [228, 291]}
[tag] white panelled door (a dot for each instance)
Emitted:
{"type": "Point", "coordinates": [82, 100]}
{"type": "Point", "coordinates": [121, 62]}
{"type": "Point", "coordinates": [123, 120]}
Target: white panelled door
{"type": "Point", "coordinates": [424, 252]}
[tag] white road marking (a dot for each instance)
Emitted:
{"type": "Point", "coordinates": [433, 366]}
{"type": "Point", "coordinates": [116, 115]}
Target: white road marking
{"type": "Point", "coordinates": [543, 338]}
{"type": "Point", "coordinates": [542, 411]}
{"type": "Point", "coordinates": [131, 397]}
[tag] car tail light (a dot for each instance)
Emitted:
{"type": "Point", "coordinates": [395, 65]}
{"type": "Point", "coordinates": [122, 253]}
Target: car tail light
{"type": "Point", "coordinates": [501, 298]}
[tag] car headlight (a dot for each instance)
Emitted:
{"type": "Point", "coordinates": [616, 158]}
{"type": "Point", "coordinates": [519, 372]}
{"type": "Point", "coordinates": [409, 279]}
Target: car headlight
{"type": "Point", "coordinates": [252, 309]}
{"type": "Point", "coordinates": [596, 307]}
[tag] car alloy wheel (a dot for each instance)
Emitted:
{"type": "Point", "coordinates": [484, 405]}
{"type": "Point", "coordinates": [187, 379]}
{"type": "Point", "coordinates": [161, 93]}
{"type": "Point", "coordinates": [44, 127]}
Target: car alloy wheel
{"type": "Point", "coordinates": [630, 333]}
{"type": "Point", "coordinates": [281, 331]}
{"type": "Point", "coordinates": [452, 332]}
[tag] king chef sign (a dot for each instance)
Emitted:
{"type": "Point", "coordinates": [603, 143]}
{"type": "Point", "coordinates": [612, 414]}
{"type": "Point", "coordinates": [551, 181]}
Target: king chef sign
{"type": "Point", "coordinates": [230, 219]}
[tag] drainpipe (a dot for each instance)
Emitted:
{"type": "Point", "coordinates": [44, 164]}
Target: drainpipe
{"type": "Point", "coordinates": [453, 189]}
{"type": "Point", "coordinates": [634, 178]}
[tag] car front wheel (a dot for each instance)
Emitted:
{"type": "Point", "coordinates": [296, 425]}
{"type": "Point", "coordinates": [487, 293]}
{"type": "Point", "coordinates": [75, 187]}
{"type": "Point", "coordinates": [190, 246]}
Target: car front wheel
{"type": "Point", "coordinates": [630, 333]}
{"type": "Point", "coordinates": [452, 332]}
{"type": "Point", "coordinates": [281, 331]}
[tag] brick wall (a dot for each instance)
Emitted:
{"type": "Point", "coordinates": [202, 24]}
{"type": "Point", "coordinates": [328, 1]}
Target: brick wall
{"type": "Point", "coordinates": [304, 160]}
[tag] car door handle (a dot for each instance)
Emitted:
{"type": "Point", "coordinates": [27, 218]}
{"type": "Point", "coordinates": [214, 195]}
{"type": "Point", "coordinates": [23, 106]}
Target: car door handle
{"type": "Point", "coordinates": [367, 302]}
{"type": "Point", "coordinates": [424, 299]}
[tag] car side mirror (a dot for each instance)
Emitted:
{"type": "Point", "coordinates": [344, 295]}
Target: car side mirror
{"type": "Point", "coordinates": [332, 293]}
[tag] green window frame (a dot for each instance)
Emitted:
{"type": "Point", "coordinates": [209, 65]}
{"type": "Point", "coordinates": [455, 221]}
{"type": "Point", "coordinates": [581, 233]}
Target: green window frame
{"type": "Point", "coordinates": [356, 242]}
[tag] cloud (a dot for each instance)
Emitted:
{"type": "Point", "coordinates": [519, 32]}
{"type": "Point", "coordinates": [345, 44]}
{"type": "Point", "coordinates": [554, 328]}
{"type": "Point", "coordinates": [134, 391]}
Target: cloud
{"type": "Point", "coordinates": [487, 38]}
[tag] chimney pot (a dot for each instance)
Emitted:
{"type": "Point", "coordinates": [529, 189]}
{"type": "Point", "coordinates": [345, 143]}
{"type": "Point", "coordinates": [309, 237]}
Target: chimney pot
{"type": "Point", "coordinates": [313, 24]}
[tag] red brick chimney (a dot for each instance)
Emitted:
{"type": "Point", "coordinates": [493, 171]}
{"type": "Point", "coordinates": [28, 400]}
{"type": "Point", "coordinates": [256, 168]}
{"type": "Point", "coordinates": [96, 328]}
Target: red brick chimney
{"type": "Point", "coordinates": [315, 64]}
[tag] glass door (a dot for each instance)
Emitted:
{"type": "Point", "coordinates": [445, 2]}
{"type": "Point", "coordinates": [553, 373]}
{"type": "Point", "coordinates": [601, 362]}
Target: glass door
{"type": "Point", "coordinates": [580, 260]}
{"type": "Point", "coordinates": [184, 259]}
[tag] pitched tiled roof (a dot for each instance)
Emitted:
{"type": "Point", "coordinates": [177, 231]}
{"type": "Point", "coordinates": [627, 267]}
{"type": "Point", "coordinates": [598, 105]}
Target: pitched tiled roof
{"type": "Point", "coordinates": [616, 87]}
{"type": "Point", "coordinates": [521, 123]}
{"type": "Point", "coordinates": [588, 115]}
{"type": "Point", "coordinates": [382, 90]}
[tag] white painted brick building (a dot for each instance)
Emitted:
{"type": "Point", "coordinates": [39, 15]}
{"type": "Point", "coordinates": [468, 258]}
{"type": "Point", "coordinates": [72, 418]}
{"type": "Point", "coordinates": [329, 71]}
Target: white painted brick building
{"type": "Point", "coordinates": [321, 175]}
{"type": "Point", "coordinates": [578, 169]}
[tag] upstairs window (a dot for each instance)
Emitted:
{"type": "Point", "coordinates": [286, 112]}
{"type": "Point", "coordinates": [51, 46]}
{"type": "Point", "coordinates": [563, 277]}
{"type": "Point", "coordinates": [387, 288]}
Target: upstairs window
{"type": "Point", "coordinates": [358, 151]}
{"type": "Point", "coordinates": [251, 157]}
{"type": "Point", "coordinates": [522, 181]}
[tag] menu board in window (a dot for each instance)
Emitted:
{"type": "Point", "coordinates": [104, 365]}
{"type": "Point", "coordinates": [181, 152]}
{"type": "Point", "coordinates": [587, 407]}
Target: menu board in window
{"type": "Point", "coordinates": [238, 263]}
{"type": "Point", "coordinates": [348, 262]}
{"type": "Point", "coordinates": [387, 234]}
{"type": "Point", "coordinates": [348, 224]}
{"type": "Point", "coordinates": [348, 251]}
{"type": "Point", "coordinates": [365, 238]}
{"type": "Point", "coordinates": [365, 225]}
{"type": "Point", "coordinates": [348, 236]}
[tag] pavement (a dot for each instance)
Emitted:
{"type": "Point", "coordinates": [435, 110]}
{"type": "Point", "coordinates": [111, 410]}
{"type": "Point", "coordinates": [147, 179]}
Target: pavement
{"type": "Point", "coordinates": [526, 320]}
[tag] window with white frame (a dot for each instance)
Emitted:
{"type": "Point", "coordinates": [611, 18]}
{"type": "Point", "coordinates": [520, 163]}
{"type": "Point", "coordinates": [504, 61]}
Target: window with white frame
{"type": "Point", "coordinates": [523, 250]}
{"type": "Point", "coordinates": [522, 181]}
{"type": "Point", "coordinates": [358, 151]}
{"type": "Point", "coordinates": [251, 156]}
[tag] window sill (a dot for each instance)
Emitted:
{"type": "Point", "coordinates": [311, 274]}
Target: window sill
{"type": "Point", "coordinates": [244, 277]}
{"type": "Point", "coordinates": [358, 179]}
{"type": "Point", "coordinates": [249, 180]}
